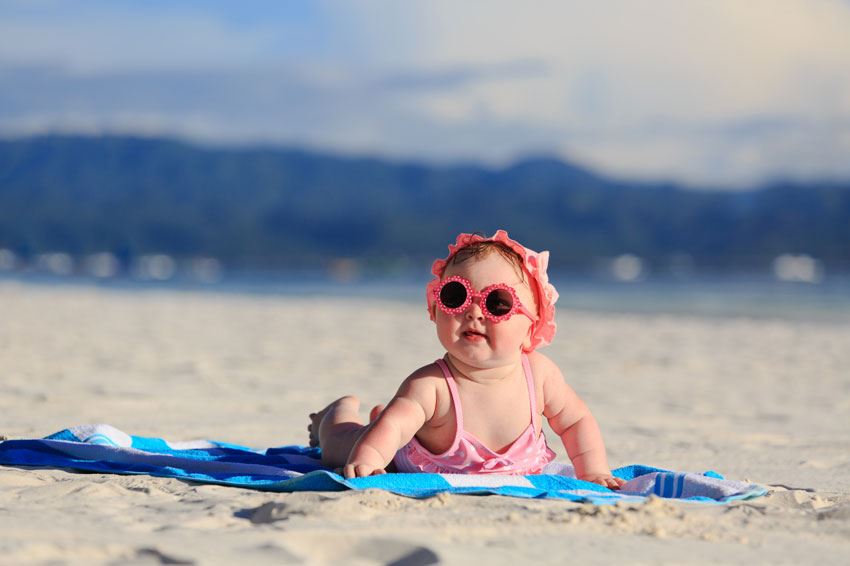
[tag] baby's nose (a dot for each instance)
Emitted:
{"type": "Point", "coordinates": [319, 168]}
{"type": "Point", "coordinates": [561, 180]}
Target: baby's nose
{"type": "Point", "coordinates": [474, 311]}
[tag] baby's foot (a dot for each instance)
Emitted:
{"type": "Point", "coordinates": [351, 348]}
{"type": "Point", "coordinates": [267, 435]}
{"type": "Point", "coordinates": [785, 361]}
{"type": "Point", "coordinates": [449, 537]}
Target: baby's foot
{"type": "Point", "coordinates": [342, 406]}
{"type": "Point", "coordinates": [336, 429]}
{"type": "Point", "coordinates": [375, 413]}
{"type": "Point", "coordinates": [313, 427]}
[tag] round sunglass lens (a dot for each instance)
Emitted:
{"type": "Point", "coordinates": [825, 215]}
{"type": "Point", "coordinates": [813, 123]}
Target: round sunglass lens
{"type": "Point", "coordinates": [499, 302]}
{"type": "Point", "coordinates": [453, 294]}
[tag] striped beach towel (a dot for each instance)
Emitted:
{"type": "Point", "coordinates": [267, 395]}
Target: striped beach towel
{"type": "Point", "coordinates": [103, 448]}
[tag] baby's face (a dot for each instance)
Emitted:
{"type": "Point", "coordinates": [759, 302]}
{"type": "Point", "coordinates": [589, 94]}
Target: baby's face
{"type": "Point", "coordinates": [470, 337]}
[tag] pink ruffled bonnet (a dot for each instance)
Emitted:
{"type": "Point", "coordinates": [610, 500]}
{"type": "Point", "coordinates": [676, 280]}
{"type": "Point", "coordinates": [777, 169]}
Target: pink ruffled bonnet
{"type": "Point", "coordinates": [534, 264]}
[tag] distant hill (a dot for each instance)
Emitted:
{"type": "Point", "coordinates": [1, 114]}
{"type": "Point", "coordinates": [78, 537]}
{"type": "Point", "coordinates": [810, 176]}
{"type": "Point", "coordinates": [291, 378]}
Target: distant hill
{"type": "Point", "coordinates": [285, 208]}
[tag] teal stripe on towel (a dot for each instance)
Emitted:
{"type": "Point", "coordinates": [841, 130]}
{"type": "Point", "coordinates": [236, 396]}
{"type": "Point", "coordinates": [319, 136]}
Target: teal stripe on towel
{"type": "Point", "coordinates": [105, 449]}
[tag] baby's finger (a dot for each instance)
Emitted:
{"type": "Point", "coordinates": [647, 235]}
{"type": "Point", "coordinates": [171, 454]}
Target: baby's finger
{"type": "Point", "coordinates": [363, 470]}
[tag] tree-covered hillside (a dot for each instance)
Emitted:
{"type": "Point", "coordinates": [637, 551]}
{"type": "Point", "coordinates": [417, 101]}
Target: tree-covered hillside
{"type": "Point", "coordinates": [279, 208]}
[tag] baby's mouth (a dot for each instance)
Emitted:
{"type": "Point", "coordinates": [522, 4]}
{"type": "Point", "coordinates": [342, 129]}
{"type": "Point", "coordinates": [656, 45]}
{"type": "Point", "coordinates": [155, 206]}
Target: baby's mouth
{"type": "Point", "coordinates": [474, 335]}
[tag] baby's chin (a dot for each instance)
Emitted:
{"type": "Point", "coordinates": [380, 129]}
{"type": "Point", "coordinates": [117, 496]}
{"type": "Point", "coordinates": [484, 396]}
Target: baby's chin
{"type": "Point", "coordinates": [483, 358]}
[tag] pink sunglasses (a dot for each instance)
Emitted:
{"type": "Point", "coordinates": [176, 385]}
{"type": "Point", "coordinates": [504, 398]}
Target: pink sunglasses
{"type": "Point", "coordinates": [499, 301]}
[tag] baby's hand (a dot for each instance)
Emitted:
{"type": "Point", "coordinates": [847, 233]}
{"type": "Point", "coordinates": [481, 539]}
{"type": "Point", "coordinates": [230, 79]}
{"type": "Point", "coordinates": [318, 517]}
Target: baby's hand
{"type": "Point", "coordinates": [605, 480]}
{"type": "Point", "coordinates": [355, 470]}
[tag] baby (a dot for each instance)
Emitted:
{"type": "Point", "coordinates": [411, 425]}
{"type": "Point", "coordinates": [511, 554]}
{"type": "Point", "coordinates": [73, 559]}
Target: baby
{"type": "Point", "coordinates": [479, 409]}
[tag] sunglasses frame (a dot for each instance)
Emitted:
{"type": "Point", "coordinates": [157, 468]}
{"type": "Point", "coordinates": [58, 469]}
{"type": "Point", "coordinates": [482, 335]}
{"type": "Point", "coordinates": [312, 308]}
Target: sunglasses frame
{"type": "Point", "coordinates": [472, 294]}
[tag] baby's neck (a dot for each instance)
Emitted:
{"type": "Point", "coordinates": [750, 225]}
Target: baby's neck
{"type": "Point", "coordinates": [482, 376]}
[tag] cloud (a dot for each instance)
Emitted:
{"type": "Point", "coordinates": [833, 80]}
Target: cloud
{"type": "Point", "coordinates": [717, 91]}
{"type": "Point", "coordinates": [100, 35]}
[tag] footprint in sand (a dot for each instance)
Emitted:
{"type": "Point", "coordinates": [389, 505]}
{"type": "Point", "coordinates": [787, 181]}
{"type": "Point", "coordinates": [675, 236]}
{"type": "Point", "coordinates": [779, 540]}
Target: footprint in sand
{"type": "Point", "coordinates": [150, 554]}
{"type": "Point", "coordinates": [839, 512]}
{"type": "Point", "coordinates": [269, 512]}
{"type": "Point", "coordinates": [343, 549]}
{"type": "Point", "coordinates": [394, 552]}
{"type": "Point", "coordinates": [364, 506]}
{"type": "Point", "coordinates": [806, 500]}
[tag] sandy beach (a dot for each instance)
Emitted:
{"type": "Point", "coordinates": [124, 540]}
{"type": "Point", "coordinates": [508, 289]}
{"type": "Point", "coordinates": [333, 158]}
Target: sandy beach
{"type": "Point", "coordinates": [766, 400]}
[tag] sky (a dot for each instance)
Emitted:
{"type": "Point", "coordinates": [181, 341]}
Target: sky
{"type": "Point", "coordinates": [714, 93]}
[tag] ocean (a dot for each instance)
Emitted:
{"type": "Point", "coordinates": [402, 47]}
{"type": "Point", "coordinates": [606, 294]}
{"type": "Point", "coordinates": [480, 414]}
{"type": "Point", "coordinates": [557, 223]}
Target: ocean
{"type": "Point", "coordinates": [730, 296]}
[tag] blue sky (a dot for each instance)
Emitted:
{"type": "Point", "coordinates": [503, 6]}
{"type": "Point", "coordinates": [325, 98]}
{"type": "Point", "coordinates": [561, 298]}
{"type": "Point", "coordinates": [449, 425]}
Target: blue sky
{"type": "Point", "coordinates": [721, 92]}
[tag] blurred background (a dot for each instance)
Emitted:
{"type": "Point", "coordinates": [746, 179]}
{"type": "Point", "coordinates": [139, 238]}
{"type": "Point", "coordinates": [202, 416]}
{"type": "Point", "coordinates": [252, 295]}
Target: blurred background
{"type": "Point", "coordinates": [670, 155]}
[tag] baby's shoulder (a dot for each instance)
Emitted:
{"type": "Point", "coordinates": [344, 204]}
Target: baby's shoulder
{"type": "Point", "coordinates": [424, 383]}
{"type": "Point", "coordinates": [427, 376]}
{"type": "Point", "coordinates": [428, 385]}
{"type": "Point", "coordinates": [543, 368]}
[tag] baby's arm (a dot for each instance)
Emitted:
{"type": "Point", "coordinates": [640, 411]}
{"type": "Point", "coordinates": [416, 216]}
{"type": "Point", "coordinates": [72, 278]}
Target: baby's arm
{"type": "Point", "coordinates": [412, 406]}
{"type": "Point", "coordinates": [571, 420]}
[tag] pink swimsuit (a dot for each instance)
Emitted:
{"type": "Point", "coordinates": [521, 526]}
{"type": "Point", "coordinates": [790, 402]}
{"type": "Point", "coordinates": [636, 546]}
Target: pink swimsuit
{"type": "Point", "coordinates": [468, 455]}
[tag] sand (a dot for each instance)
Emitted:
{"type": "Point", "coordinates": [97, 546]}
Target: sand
{"type": "Point", "coordinates": [758, 399]}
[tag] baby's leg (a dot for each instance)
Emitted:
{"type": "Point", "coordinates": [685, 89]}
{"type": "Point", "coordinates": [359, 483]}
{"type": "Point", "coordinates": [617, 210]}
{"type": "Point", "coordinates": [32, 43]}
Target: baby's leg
{"type": "Point", "coordinates": [336, 428]}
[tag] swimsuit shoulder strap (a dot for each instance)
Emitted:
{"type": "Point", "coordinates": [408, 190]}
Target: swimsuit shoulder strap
{"type": "Point", "coordinates": [532, 397]}
{"type": "Point", "coordinates": [450, 381]}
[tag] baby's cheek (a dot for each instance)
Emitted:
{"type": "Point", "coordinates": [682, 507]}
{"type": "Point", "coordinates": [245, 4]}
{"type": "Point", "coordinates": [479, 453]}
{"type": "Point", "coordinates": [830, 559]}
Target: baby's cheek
{"type": "Point", "coordinates": [445, 327]}
{"type": "Point", "coordinates": [517, 333]}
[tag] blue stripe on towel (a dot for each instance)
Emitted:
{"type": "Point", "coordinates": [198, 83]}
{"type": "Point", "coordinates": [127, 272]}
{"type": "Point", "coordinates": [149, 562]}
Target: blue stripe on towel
{"type": "Point", "coordinates": [669, 484]}
{"type": "Point", "coordinates": [103, 448]}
